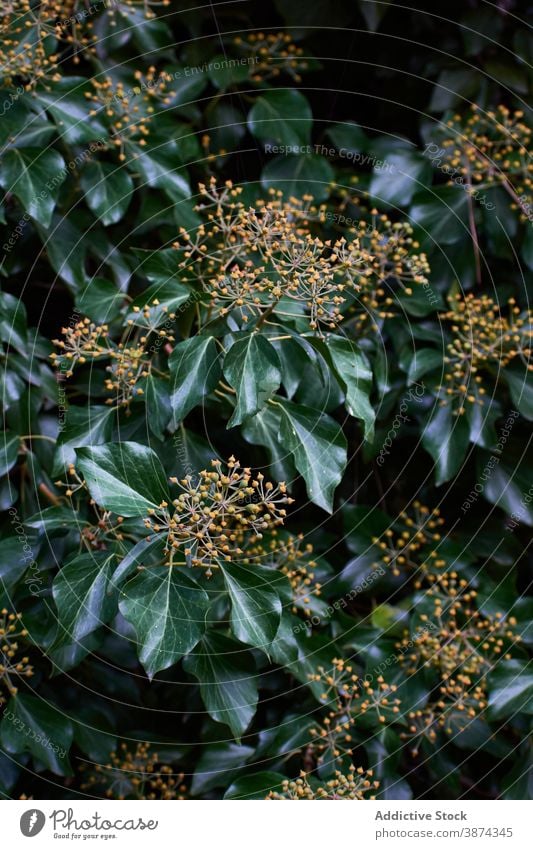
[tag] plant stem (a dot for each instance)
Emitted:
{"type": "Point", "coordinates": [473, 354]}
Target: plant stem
{"type": "Point", "coordinates": [39, 436]}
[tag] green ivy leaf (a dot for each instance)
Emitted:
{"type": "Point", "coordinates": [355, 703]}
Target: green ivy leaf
{"type": "Point", "coordinates": [160, 267]}
{"type": "Point", "coordinates": [15, 560]}
{"type": "Point", "coordinates": [355, 374]}
{"type": "Point", "coordinates": [510, 687]}
{"type": "Point", "coordinates": [225, 72]}
{"type": "Point", "coordinates": [149, 551]}
{"type": "Point", "coordinates": [161, 169]}
{"type": "Point", "coordinates": [295, 358]}
{"type": "Point", "coordinates": [9, 774]}
{"type": "Point", "coordinates": [34, 176]}
{"type": "Point", "coordinates": [100, 300]}
{"type": "Point", "coordinates": [527, 248]}
{"type": "Point", "coordinates": [319, 450]}
{"type": "Point", "coordinates": [283, 117]}
{"type": "Point", "coordinates": [452, 87]}
{"type": "Point", "coordinates": [228, 681]}
{"type": "Point", "coordinates": [307, 174]}
{"type": "Point", "coordinates": [149, 35]}
{"type": "Point", "coordinates": [167, 610]}
{"type": "Point", "coordinates": [417, 363]}
{"type": "Point", "coordinates": [67, 251]}
{"type": "Point", "coordinates": [352, 137]}
{"type": "Point", "coordinates": [263, 430]}
{"type": "Point", "coordinates": [82, 426]}
{"type": "Point", "coordinates": [84, 595]}
{"type": "Point", "coordinates": [17, 128]}
{"type": "Point", "coordinates": [509, 484]}
{"type": "Point", "coordinates": [257, 785]}
{"type": "Point", "coordinates": [33, 725]}
{"type": "Point", "coordinates": [57, 518]}
{"type": "Point", "coordinates": [255, 603]}
{"type": "Point", "coordinates": [159, 411]}
{"type": "Point", "coordinates": [126, 477]}
{"type": "Point", "coordinates": [252, 368]}
{"type": "Point", "coordinates": [446, 437]}
{"type": "Point", "coordinates": [185, 87]}
{"type": "Point", "coordinates": [442, 214]}
{"type": "Point", "coordinates": [9, 448]}
{"type": "Point", "coordinates": [70, 110]}
{"type": "Point", "coordinates": [390, 620]}
{"type": "Point", "coordinates": [195, 372]}
{"type": "Point", "coordinates": [108, 191]}
{"type": "Point", "coordinates": [13, 321]}
{"type": "Point", "coordinates": [521, 389]}
{"type": "Point", "coordinates": [481, 422]}
{"type": "Point", "coordinates": [518, 782]}
{"type": "Point", "coordinates": [217, 765]}
{"type": "Point", "coordinates": [402, 175]}
{"type": "Point", "coordinates": [162, 299]}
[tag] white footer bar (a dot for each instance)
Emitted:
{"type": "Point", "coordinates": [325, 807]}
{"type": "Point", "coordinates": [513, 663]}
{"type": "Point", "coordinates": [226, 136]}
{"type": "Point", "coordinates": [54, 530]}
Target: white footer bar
{"type": "Point", "coordinates": [268, 825]}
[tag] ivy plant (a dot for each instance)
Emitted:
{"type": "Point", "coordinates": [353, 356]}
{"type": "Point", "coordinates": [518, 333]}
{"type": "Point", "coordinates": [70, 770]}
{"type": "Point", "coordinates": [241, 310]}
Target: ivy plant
{"type": "Point", "coordinates": [264, 476]}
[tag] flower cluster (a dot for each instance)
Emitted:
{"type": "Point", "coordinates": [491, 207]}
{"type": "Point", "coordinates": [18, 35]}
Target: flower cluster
{"type": "Point", "coordinates": [349, 697]}
{"type": "Point", "coordinates": [492, 147]}
{"type": "Point", "coordinates": [103, 527]}
{"type": "Point", "coordinates": [273, 54]}
{"type": "Point", "coordinates": [26, 42]}
{"type": "Point", "coordinates": [35, 37]}
{"type": "Point", "coordinates": [83, 341]}
{"type": "Point", "coordinates": [483, 338]}
{"type": "Point", "coordinates": [74, 484]}
{"type": "Point", "coordinates": [96, 537]}
{"type": "Point", "coordinates": [11, 664]}
{"type": "Point", "coordinates": [462, 647]}
{"type": "Point", "coordinates": [294, 560]}
{"type": "Point", "coordinates": [128, 111]}
{"type": "Point", "coordinates": [74, 30]}
{"type": "Point", "coordinates": [262, 259]}
{"type": "Point", "coordinates": [136, 774]}
{"type": "Point", "coordinates": [218, 514]}
{"type": "Point", "coordinates": [455, 640]}
{"type": "Point", "coordinates": [250, 259]}
{"type": "Point", "coordinates": [395, 257]}
{"type": "Point", "coordinates": [460, 644]}
{"type": "Point", "coordinates": [290, 556]}
{"type": "Point", "coordinates": [391, 261]}
{"type": "Point", "coordinates": [130, 362]}
{"type": "Point", "coordinates": [411, 541]}
{"type": "Point", "coordinates": [357, 784]}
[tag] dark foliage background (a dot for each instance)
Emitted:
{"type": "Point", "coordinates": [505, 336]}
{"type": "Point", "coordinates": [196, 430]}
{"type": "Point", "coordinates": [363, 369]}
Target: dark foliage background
{"type": "Point", "coordinates": [413, 503]}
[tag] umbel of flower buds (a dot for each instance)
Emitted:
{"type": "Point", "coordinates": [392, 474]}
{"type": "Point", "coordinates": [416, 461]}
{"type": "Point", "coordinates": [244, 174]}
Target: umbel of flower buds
{"type": "Point", "coordinates": [217, 515]}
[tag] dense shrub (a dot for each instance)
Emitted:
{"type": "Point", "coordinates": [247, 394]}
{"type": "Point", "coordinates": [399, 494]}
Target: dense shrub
{"type": "Point", "coordinates": [266, 342]}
